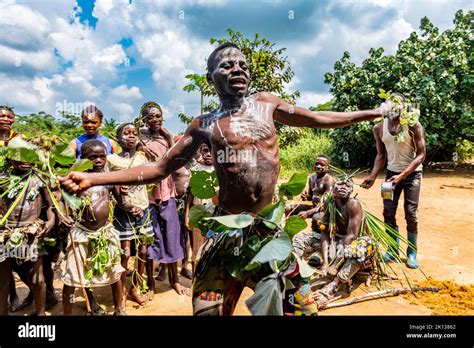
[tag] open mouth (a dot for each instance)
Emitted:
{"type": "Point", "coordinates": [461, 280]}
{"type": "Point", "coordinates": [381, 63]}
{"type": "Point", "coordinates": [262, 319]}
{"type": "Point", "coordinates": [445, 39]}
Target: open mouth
{"type": "Point", "coordinates": [238, 81]}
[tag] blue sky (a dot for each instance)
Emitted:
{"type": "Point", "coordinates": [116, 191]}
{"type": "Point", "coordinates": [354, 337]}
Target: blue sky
{"type": "Point", "coordinates": [119, 54]}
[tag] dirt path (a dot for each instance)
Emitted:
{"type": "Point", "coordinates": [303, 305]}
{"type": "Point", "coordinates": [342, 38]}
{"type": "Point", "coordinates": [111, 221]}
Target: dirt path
{"type": "Point", "coordinates": [446, 252]}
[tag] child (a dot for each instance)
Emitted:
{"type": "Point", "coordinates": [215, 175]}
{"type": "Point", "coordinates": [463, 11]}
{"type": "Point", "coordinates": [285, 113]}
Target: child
{"type": "Point", "coordinates": [20, 238]}
{"type": "Point", "coordinates": [97, 244]}
{"type": "Point", "coordinates": [204, 164]}
{"type": "Point", "coordinates": [135, 224]}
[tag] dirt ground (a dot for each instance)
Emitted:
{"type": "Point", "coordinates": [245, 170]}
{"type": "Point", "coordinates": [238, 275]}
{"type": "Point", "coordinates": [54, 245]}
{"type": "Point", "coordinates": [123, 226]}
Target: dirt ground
{"type": "Point", "coordinates": [446, 253]}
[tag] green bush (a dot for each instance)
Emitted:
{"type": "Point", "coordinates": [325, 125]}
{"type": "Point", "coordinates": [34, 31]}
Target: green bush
{"type": "Point", "coordinates": [300, 156]}
{"type": "Point", "coordinates": [432, 69]}
{"type": "Point", "coordinates": [465, 150]}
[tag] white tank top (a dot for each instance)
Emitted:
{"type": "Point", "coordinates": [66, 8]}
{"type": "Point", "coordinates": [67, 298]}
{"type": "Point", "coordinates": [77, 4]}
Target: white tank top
{"type": "Point", "coordinates": [399, 154]}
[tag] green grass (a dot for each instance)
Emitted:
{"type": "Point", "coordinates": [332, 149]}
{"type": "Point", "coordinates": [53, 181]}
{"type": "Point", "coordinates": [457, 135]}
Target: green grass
{"type": "Point", "coordinates": [300, 157]}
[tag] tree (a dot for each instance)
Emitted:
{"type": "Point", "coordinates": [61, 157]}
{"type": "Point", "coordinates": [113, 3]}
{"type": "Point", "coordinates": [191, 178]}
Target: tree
{"type": "Point", "coordinates": [67, 126]}
{"type": "Point", "coordinates": [434, 70]}
{"type": "Point", "coordinates": [269, 70]}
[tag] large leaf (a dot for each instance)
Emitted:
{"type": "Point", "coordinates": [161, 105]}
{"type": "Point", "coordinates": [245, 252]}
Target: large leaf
{"type": "Point", "coordinates": [197, 213]}
{"type": "Point", "coordinates": [295, 224]}
{"type": "Point", "coordinates": [273, 212]}
{"type": "Point", "coordinates": [63, 154]}
{"type": "Point", "coordinates": [277, 249]}
{"type": "Point", "coordinates": [81, 165]}
{"type": "Point", "coordinates": [203, 184]}
{"type": "Point", "coordinates": [268, 296]}
{"type": "Point", "coordinates": [20, 150]}
{"type": "Point", "coordinates": [228, 222]}
{"type": "Point", "coordinates": [294, 186]}
{"type": "Point", "coordinates": [305, 270]}
{"type": "Point", "coordinates": [236, 261]}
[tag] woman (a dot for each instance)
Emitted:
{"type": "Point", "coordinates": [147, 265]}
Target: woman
{"type": "Point", "coordinates": [169, 244]}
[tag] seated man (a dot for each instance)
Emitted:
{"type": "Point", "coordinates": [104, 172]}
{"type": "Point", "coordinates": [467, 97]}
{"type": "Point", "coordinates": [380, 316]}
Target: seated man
{"type": "Point", "coordinates": [318, 184]}
{"type": "Point", "coordinates": [353, 252]}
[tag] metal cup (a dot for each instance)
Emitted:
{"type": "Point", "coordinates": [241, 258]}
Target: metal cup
{"type": "Point", "coordinates": [387, 190]}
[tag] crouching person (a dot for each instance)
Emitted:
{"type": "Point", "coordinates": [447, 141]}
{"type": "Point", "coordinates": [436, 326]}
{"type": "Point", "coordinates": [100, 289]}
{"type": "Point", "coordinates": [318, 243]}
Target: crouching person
{"type": "Point", "coordinates": [350, 253]}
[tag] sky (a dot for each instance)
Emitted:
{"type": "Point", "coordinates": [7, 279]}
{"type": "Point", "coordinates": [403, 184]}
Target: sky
{"type": "Point", "coordinates": [64, 55]}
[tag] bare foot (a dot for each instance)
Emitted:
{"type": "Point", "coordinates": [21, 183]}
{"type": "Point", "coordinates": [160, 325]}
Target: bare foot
{"type": "Point", "coordinates": [181, 290]}
{"type": "Point", "coordinates": [134, 295]}
{"type": "Point", "coordinates": [120, 312]}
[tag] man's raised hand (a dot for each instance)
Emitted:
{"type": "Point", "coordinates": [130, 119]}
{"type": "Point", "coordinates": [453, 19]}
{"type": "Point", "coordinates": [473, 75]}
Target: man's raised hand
{"type": "Point", "coordinates": [75, 182]}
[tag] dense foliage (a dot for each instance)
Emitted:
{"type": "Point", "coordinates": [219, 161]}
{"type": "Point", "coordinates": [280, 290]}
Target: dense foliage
{"type": "Point", "coordinates": [434, 70]}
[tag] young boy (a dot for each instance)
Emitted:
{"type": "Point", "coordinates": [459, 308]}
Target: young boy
{"type": "Point", "coordinates": [133, 224]}
{"type": "Point", "coordinates": [91, 230]}
{"type": "Point", "coordinates": [205, 164]}
{"type": "Point", "coordinates": [318, 184]}
{"type": "Point", "coordinates": [22, 233]}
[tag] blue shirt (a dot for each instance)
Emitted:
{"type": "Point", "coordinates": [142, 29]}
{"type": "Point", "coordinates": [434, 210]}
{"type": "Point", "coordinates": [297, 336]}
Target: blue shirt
{"type": "Point", "coordinates": [84, 137]}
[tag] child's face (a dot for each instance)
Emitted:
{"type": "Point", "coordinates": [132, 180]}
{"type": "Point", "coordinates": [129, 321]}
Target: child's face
{"type": "Point", "coordinates": [321, 165]}
{"type": "Point", "coordinates": [7, 118]}
{"type": "Point", "coordinates": [128, 137]}
{"type": "Point", "coordinates": [206, 155]}
{"type": "Point", "coordinates": [91, 123]}
{"type": "Point", "coordinates": [98, 156]}
{"type": "Point", "coordinates": [154, 119]}
{"type": "Point", "coordinates": [21, 167]}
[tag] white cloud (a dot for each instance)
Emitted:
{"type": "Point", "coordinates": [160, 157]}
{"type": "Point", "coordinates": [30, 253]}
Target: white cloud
{"type": "Point", "coordinates": [308, 99]}
{"type": "Point", "coordinates": [122, 92]}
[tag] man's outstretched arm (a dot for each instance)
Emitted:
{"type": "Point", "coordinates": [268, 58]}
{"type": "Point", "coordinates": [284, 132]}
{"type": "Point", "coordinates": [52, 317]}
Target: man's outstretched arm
{"type": "Point", "coordinates": [180, 154]}
{"type": "Point", "coordinates": [295, 116]}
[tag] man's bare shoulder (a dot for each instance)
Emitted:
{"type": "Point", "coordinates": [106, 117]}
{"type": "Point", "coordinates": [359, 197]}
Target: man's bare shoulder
{"type": "Point", "coordinates": [266, 97]}
{"type": "Point", "coordinates": [354, 206]}
{"type": "Point", "coordinates": [378, 129]}
{"type": "Point", "coordinates": [418, 128]}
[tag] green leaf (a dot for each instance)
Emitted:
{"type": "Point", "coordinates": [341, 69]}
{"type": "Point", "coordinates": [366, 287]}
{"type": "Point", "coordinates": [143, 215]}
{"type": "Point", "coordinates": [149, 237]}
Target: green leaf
{"type": "Point", "coordinates": [235, 262]}
{"type": "Point", "coordinates": [81, 165]}
{"type": "Point", "coordinates": [63, 154]}
{"type": "Point", "coordinates": [20, 150]}
{"type": "Point", "coordinates": [305, 270]}
{"type": "Point", "coordinates": [294, 186]}
{"type": "Point", "coordinates": [73, 202]}
{"type": "Point", "coordinates": [228, 222]}
{"type": "Point", "coordinates": [197, 213]}
{"type": "Point", "coordinates": [277, 249]}
{"type": "Point", "coordinates": [295, 224]}
{"type": "Point", "coordinates": [268, 297]}
{"type": "Point", "coordinates": [203, 184]}
{"type": "Point", "coordinates": [49, 241]}
{"type": "Point", "coordinates": [273, 212]}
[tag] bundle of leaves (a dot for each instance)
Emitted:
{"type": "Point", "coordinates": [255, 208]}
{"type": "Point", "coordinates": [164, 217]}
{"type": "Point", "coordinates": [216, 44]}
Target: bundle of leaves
{"type": "Point", "coordinates": [271, 253]}
{"type": "Point", "coordinates": [48, 162]}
